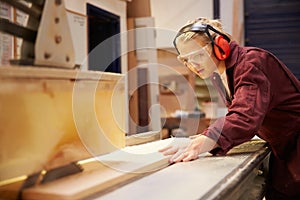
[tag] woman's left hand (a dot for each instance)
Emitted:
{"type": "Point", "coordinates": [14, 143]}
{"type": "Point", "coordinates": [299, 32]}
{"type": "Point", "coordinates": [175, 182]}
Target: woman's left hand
{"type": "Point", "coordinates": [197, 145]}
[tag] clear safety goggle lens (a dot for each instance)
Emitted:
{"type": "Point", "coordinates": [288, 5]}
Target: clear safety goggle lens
{"type": "Point", "coordinates": [195, 56]}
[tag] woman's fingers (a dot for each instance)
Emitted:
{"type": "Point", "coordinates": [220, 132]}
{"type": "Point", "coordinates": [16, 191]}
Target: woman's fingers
{"type": "Point", "coordinates": [164, 149]}
{"type": "Point", "coordinates": [170, 150]}
{"type": "Point", "coordinates": [184, 156]}
{"type": "Point", "coordinates": [177, 157]}
{"type": "Point", "coordinates": [190, 156]}
{"type": "Point", "coordinates": [193, 136]}
{"type": "Point", "coordinates": [186, 150]}
{"type": "Point", "coordinates": [175, 145]}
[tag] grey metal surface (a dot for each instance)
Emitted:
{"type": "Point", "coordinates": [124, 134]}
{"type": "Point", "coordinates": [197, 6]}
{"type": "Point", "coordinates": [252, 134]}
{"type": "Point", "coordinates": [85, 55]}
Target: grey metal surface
{"type": "Point", "coordinates": [204, 178]}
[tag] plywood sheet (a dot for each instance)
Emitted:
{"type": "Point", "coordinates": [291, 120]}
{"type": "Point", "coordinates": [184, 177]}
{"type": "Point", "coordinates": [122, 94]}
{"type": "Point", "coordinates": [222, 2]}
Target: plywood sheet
{"type": "Point", "coordinates": [109, 170]}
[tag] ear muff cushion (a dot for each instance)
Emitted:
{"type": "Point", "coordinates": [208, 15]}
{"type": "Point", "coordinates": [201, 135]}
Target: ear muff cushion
{"type": "Point", "coordinates": [224, 44]}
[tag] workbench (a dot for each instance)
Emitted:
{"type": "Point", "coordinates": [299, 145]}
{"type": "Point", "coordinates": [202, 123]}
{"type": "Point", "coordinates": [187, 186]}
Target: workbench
{"type": "Point", "coordinates": [239, 175]}
{"type": "Point", "coordinates": [141, 172]}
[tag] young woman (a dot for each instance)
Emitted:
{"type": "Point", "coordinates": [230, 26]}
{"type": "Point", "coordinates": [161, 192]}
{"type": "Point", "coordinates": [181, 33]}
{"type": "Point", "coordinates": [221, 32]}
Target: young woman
{"type": "Point", "coordinates": [262, 96]}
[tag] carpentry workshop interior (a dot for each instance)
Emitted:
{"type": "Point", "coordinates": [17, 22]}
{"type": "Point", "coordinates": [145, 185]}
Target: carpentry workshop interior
{"type": "Point", "coordinates": [91, 90]}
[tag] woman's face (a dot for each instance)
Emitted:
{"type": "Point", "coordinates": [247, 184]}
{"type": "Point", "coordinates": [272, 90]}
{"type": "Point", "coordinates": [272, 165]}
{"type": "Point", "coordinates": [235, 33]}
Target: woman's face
{"type": "Point", "coordinates": [197, 57]}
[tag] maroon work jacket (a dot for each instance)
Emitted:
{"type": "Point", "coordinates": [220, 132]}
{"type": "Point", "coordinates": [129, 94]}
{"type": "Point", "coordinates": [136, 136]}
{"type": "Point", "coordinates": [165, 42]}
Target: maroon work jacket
{"type": "Point", "coordinates": [265, 101]}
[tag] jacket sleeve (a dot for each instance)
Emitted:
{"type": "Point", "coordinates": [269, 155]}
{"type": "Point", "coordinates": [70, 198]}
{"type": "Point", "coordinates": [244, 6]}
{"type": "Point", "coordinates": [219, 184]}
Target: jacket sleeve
{"type": "Point", "coordinates": [246, 112]}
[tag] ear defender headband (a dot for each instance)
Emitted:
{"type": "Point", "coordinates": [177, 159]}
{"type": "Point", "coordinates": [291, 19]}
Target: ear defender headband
{"type": "Point", "coordinates": [220, 43]}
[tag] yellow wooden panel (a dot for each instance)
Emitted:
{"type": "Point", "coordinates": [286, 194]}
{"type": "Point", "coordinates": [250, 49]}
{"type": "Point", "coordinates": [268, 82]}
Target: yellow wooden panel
{"type": "Point", "coordinates": [45, 123]}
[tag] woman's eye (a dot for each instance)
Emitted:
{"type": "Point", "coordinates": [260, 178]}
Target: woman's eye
{"type": "Point", "coordinates": [185, 60]}
{"type": "Point", "coordinates": [181, 59]}
{"type": "Point", "coordinates": [199, 55]}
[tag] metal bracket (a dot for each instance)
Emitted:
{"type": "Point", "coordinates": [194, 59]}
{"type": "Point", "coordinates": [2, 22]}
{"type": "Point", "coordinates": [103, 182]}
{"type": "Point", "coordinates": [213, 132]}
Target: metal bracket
{"type": "Point", "coordinates": [47, 37]}
{"type": "Point", "coordinates": [53, 45]}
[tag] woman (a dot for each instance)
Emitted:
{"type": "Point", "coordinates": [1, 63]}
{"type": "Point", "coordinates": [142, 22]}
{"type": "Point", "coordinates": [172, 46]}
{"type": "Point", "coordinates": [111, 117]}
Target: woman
{"type": "Point", "coordinates": [262, 96]}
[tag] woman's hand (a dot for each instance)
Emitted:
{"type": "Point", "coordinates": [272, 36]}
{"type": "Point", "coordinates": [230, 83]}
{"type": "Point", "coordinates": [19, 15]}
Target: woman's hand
{"type": "Point", "coordinates": [189, 149]}
{"type": "Point", "coordinates": [176, 145]}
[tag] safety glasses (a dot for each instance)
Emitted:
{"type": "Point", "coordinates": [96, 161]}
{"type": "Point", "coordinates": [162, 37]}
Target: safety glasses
{"type": "Point", "coordinates": [198, 56]}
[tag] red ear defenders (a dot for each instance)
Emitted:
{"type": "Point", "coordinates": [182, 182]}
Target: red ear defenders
{"type": "Point", "coordinates": [220, 43]}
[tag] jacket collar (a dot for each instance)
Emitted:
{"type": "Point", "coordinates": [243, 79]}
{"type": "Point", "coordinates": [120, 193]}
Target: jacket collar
{"type": "Point", "coordinates": [234, 52]}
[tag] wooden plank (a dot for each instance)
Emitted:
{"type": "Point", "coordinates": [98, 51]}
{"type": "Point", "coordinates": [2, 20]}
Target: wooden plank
{"type": "Point", "coordinates": [141, 138]}
{"type": "Point", "coordinates": [141, 8]}
{"type": "Point", "coordinates": [53, 73]}
{"type": "Point", "coordinates": [132, 79]}
{"type": "Point", "coordinates": [143, 96]}
{"type": "Point", "coordinates": [112, 169]}
{"type": "Point", "coordinates": [237, 22]}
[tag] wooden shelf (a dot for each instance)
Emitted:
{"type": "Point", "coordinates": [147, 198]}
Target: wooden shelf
{"type": "Point", "coordinates": [57, 73]}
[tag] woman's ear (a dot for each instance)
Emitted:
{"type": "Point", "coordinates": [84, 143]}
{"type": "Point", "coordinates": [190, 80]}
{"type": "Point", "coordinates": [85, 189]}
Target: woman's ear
{"type": "Point", "coordinates": [221, 47]}
{"type": "Point", "coordinates": [180, 59]}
